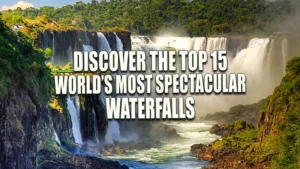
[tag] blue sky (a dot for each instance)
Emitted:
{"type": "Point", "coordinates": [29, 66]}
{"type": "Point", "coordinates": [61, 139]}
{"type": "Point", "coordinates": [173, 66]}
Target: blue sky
{"type": "Point", "coordinates": [39, 3]}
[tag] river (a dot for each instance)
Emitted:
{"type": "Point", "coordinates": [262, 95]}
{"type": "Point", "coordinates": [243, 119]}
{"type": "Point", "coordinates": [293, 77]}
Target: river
{"type": "Point", "coordinates": [173, 154]}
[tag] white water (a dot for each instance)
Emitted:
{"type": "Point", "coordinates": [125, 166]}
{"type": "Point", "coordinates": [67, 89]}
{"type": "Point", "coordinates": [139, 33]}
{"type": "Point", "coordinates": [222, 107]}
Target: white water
{"type": "Point", "coordinates": [119, 43]}
{"type": "Point", "coordinates": [257, 61]}
{"type": "Point", "coordinates": [87, 48]}
{"type": "Point", "coordinates": [185, 43]}
{"type": "Point", "coordinates": [96, 134]}
{"type": "Point", "coordinates": [57, 138]}
{"type": "Point", "coordinates": [103, 44]}
{"type": "Point", "coordinates": [75, 121]}
{"type": "Point", "coordinates": [216, 44]}
{"type": "Point", "coordinates": [200, 43]}
{"type": "Point", "coordinates": [284, 47]}
{"type": "Point", "coordinates": [113, 130]}
{"type": "Point", "coordinates": [174, 153]}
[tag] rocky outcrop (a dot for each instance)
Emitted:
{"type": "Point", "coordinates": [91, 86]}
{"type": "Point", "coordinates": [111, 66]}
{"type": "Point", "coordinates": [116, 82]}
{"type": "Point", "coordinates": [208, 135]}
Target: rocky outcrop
{"type": "Point", "coordinates": [75, 162]}
{"type": "Point", "coordinates": [236, 44]}
{"type": "Point", "coordinates": [160, 132]}
{"type": "Point", "coordinates": [64, 43]}
{"type": "Point", "coordinates": [275, 142]}
{"type": "Point", "coordinates": [248, 113]}
{"type": "Point", "coordinates": [126, 39]}
{"type": "Point", "coordinates": [62, 125]}
{"type": "Point", "coordinates": [226, 130]}
{"type": "Point", "coordinates": [93, 117]}
{"type": "Point", "coordinates": [225, 158]}
{"type": "Point", "coordinates": [20, 112]}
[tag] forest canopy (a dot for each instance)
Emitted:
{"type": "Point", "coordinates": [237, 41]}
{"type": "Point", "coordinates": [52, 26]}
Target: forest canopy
{"type": "Point", "coordinates": [185, 17]}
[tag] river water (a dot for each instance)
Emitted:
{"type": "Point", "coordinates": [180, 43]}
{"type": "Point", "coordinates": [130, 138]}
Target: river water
{"type": "Point", "coordinates": [173, 154]}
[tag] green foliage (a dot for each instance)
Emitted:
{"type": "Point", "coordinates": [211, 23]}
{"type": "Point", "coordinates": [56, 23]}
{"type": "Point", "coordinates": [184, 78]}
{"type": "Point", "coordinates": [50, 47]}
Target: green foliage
{"type": "Point", "coordinates": [22, 66]}
{"type": "Point", "coordinates": [48, 53]}
{"type": "Point", "coordinates": [286, 98]}
{"type": "Point", "coordinates": [239, 125]}
{"type": "Point", "coordinates": [279, 123]}
{"type": "Point", "coordinates": [197, 18]}
{"type": "Point", "coordinates": [240, 140]}
{"type": "Point", "coordinates": [51, 145]}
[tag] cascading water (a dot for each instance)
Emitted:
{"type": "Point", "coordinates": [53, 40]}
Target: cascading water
{"type": "Point", "coordinates": [75, 121]}
{"type": "Point", "coordinates": [185, 43]}
{"type": "Point", "coordinates": [95, 127]}
{"type": "Point", "coordinates": [119, 43]}
{"type": "Point", "coordinates": [87, 48]}
{"type": "Point", "coordinates": [70, 54]}
{"type": "Point", "coordinates": [284, 46]}
{"type": "Point", "coordinates": [57, 138]}
{"type": "Point", "coordinates": [113, 130]}
{"type": "Point", "coordinates": [103, 44]}
{"type": "Point", "coordinates": [216, 44]}
{"type": "Point", "coordinates": [257, 61]}
{"type": "Point", "coordinates": [200, 43]}
{"type": "Point", "coordinates": [145, 44]}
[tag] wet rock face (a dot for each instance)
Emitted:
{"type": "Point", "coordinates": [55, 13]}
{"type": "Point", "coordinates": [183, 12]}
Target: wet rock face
{"type": "Point", "coordinates": [236, 44]}
{"type": "Point", "coordinates": [126, 40]}
{"type": "Point", "coordinates": [76, 162]}
{"type": "Point", "coordinates": [93, 117]}
{"type": "Point", "coordinates": [62, 124]}
{"type": "Point", "coordinates": [20, 113]}
{"type": "Point", "coordinates": [161, 132]}
{"type": "Point", "coordinates": [224, 158]}
{"type": "Point", "coordinates": [226, 130]}
{"type": "Point", "coordinates": [64, 43]}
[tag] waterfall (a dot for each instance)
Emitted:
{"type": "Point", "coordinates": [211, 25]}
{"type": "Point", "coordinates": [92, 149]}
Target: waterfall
{"type": "Point", "coordinates": [251, 61]}
{"type": "Point", "coordinates": [103, 44]}
{"type": "Point", "coordinates": [263, 61]}
{"type": "Point", "coordinates": [119, 43]}
{"type": "Point", "coordinates": [87, 48]}
{"type": "Point", "coordinates": [200, 43]}
{"type": "Point", "coordinates": [70, 54]}
{"type": "Point", "coordinates": [113, 132]}
{"type": "Point", "coordinates": [185, 43]}
{"type": "Point", "coordinates": [53, 45]}
{"type": "Point", "coordinates": [216, 44]}
{"type": "Point", "coordinates": [57, 138]}
{"type": "Point", "coordinates": [86, 39]}
{"type": "Point", "coordinates": [284, 49]}
{"type": "Point", "coordinates": [96, 133]}
{"type": "Point", "coordinates": [75, 121]}
{"type": "Point", "coordinates": [145, 44]}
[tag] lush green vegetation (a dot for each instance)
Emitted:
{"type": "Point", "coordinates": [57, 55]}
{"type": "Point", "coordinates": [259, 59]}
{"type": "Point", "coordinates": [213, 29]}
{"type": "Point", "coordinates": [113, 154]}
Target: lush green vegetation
{"type": "Point", "coordinates": [286, 109]}
{"type": "Point", "coordinates": [237, 141]}
{"type": "Point", "coordinates": [278, 138]}
{"type": "Point", "coordinates": [22, 66]}
{"type": "Point", "coordinates": [205, 17]}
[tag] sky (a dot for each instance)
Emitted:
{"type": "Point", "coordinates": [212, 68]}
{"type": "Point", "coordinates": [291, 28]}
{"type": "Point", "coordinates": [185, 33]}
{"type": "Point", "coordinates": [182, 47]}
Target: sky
{"type": "Point", "coordinates": [39, 3]}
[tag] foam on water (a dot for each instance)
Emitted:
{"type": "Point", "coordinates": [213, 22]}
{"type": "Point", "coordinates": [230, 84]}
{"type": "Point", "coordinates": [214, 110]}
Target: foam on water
{"type": "Point", "coordinates": [172, 152]}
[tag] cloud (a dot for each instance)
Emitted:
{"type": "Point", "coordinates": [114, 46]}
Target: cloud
{"type": "Point", "coordinates": [20, 4]}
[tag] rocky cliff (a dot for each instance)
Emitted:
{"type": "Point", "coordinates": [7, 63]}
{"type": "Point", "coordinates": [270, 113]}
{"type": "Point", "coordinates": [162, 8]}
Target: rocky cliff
{"type": "Point", "coordinates": [275, 144]}
{"type": "Point", "coordinates": [64, 43]}
{"type": "Point", "coordinates": [20, 113]}
{"type": "Point", "coordinates": [27, 123]}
